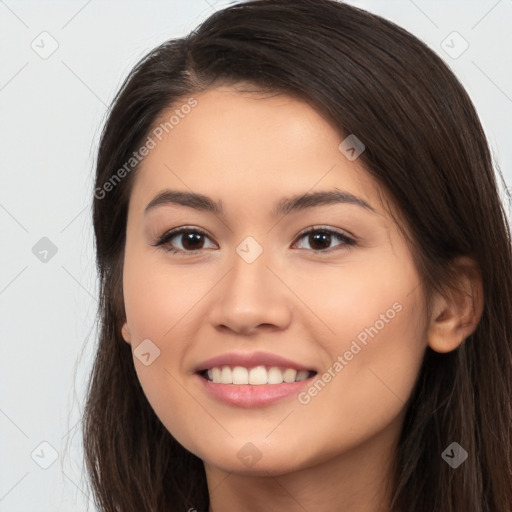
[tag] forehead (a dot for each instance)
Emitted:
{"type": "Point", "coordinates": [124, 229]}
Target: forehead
{"type": "Point", "coordinates": [248, 145]}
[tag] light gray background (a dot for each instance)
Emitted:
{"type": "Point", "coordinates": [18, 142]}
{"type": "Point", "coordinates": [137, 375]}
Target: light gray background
{"type": "Point", "coordinates": [52, 110]}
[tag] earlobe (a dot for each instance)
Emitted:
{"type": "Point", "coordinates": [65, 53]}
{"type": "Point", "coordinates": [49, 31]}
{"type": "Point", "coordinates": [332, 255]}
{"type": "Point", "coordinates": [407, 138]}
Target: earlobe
{"type": "Point", "coordinates": [456, 317]}
{"type": "Point", "coordinates": [125, 331]}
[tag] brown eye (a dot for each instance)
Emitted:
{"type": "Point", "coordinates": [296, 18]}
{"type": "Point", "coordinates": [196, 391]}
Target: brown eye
{"type": "Point", "coordinates": [190, 240]}
{"type": "Point", "coordinates": [320, 239]}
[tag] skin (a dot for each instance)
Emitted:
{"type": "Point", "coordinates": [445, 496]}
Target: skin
{"type": "Point", "coordinates": [249, 151]}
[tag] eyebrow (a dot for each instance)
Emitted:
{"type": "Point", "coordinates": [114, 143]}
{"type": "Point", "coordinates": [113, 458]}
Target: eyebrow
{"type": "Point", "coordinates": [283, 207]}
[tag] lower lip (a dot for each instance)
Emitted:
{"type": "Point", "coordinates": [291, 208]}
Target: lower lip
{"type": "Point", "coordinates": [247, 395]}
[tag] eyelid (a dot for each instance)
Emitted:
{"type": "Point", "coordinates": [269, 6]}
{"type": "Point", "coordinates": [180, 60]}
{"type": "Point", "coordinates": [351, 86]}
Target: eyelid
{"type": "Point", "coordinates": [320, 227]}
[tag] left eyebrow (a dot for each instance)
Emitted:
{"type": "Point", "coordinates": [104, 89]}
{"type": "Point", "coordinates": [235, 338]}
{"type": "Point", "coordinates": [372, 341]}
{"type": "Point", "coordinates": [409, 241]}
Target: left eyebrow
{"type": "Point", "coordinates": [283, 207]}
{"type": "Point", "coordinates": [321, 198]}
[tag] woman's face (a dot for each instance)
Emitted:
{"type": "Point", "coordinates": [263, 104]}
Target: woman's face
{"type": "Point", "coordinates": [323, 283]}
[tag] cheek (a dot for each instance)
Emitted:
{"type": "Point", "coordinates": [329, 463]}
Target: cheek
{"type": "Point", "coordinates": [374, 303]}
{"type": "Point", "coordinates": [376, 351]}
{"type": "Point", "coordinates": [159, 305]}
{"type": "Point", "coordinates": [156, 310]}
{"type": "Point", "coordinates": [369, 299]}
{"type": "Point", "coordinates": [157, 298]}
{"type": "Point", "coordinates": [366, 389]}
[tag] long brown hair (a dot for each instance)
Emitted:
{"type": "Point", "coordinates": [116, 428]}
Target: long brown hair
{"type": "Point", "coordinates": [424, 145]}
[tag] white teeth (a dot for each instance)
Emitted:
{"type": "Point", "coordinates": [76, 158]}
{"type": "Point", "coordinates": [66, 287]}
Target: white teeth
{"type": "Point", "coordinates": [216, 373]}
{"type": "Point", "coordinates": [255, 376]}
{"type": "Point", "coordinates": [226, 376]}
{"type": "Point", "coordinates": [302, 375]}
{"type": "Point", "coordinates": [289, 375]}
{"type": "Point", "coordinates": [240, 375]}
{"type": "Point", "coordinates": [274, 376]}
{"type": "Point", "coordinates": [258, 375]}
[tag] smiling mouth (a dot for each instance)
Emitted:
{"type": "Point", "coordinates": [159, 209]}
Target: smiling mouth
{"type": "Point", "coordinates": [255, 376]}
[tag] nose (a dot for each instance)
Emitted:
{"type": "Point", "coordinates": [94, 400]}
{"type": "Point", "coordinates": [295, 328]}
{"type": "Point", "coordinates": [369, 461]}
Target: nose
{"type": "Point", "coordinates": [251, 297]}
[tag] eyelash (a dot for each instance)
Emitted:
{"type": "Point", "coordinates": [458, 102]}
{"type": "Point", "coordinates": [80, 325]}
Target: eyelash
{"type": "Point", "coordinates": [347, 241]}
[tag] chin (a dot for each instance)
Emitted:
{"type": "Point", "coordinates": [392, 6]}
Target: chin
{"type": "Point", "coordinates": [246, 459]}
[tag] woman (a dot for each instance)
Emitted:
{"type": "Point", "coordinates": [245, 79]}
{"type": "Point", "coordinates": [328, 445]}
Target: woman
{"type": "Point", "coordinates": [306, 276]}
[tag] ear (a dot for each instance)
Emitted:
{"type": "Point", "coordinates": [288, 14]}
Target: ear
{"type": "Point", "coordinates": [125, 331]}
{"type": "Point", "coordinates": [455, 317]}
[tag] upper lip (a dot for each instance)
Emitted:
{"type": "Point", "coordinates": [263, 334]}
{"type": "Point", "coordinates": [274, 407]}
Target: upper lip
{"type": "Point", "coordinates": [249, 360]}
